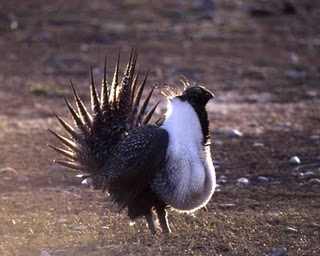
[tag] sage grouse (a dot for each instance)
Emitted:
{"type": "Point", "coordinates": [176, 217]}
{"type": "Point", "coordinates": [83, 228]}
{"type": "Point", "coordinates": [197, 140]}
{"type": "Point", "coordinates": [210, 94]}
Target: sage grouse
{"type": "Point", "coordinates": [144, 167]}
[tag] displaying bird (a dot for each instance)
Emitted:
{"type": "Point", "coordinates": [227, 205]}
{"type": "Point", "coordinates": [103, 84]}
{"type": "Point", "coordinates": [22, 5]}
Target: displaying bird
{"type": "Point", "coordinates": [146, 168]}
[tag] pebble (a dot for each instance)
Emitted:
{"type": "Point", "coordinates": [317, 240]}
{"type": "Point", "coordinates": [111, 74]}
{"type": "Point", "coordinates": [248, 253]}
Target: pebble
{"type": "Point", "coordinates": [308, 174]}
{"type": "Point", "coordinates": [314, 137]}
{"type": "Point", "coordinates": [294, 160]}
{"type": "Point", "coordinates": [278, 252]}
{"type": "Point", "coordinates": [22, 179]}
{"type": "Point", "coordinates": [222, 179]}
{"type": "Point", "coordinates": [291, 230]}
{"type": "Point", "coordinates": [80, 228]}
{"type": "Point", "coordinates": [296, 74]}
{"type": "Point", "coordinates": [84, 47]}
{"type": "Point", "coordinates": [257, 145]}
{"type": "Point", "coordinates": [8, 170]}
{"type": "Point", "coordinates": [60, 252]}
{"type": "Point", "coordinates": [243, 181]}
{"type": "Point", "coordinates": [234, 133]}
{"type": "Point", "coordinates": [314, 181]}
{"type": "Point", "coordinates": [12, 57]}
{"type": "Point", "coordinates": [44, 253]}
{"type": "Point", "coordinates": [273, 217]}
{"type": "Point", "coordinates": [87, 182]}
{"type": "Point", "coordinates": [276, 182]}
{"type": "Point", "coordinates": [227, 206]}
{"type": "Point", "coordinates": [218, 188]}
{"type": "Point", "coordinates": [262, 179]}
{"type": "Point", "coordinates": [216, 164]}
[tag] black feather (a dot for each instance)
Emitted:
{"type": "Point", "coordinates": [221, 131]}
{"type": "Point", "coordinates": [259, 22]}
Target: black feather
{"type": "Point", "coordinates": [104, 88]}
{"type": "Point", "coordinates": [82, 110]}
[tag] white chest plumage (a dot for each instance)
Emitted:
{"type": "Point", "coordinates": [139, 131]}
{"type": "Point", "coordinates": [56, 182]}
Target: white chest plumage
{"type": "Point", "coordinates": [188, 180]}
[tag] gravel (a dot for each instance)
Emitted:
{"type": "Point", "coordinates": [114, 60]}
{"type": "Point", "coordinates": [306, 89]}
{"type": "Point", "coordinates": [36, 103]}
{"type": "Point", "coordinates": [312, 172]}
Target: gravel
{"type": "Point", "coordinates": [234, 133]}
{"type": "Point", "coordinates": [7, 170]}
{"type": "Point", "coordinates": [257, 145]}
{"type": "Point", "coordinates": [44, 253]}
{"type": "Point", "coordinates": [262, 179]}
{"type": "Point", "coordinates": [243, 181]}
{"type": "Point", "coordinates": [291, 230]}
{"type": "Point", "coordinates": [80, 228]}
{"type": "Point", "coordinates": [278, 252]}
{"type": "Point", "coordinates": [314, 182]}
{"type": "Point", "coordinates": [222, 180]}
{"type": "Point", "coordinates": [294, 160]}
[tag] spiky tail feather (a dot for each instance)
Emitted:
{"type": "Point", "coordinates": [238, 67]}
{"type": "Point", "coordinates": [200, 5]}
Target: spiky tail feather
{"type": "Point", "coordinates": [114, 113]}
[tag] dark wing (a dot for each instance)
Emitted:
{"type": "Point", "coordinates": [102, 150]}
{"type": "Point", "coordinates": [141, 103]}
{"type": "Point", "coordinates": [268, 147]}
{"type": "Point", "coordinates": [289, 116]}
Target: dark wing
{"type": "Point", "coordinates": [134, 164]}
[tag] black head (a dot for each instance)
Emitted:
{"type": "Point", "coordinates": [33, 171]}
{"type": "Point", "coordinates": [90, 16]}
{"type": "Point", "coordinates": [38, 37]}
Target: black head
{"type": "Point", "coordinates": [197, 96]}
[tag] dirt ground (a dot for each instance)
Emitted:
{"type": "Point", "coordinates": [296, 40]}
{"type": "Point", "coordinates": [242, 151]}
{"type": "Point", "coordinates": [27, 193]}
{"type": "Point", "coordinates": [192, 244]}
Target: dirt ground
{"type": "Point", "coordinates": [261, 61]}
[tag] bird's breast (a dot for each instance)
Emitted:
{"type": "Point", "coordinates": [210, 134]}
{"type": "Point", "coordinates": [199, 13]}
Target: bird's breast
{"type": "Point", "coordinates": [187, 181]}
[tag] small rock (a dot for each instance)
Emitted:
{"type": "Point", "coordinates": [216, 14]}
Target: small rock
{"type": "Point", "coordinates": [293, 58]}
{"type": "Point", "coordinates": [44, 253]}
{"type": "Point", "coordinates": [7, 170]}
{"type": "Point", "coordinates": [234, 133]}
{"type": "Point", "coordinates": [257, 145]}
{"type": "Point", "coordinates": [84, 47]}
{"type": "Point", "coordinates": [308, 174]}
{"type": "Point", "coordinates": [262, 179]}
{"type": "Point", "coordinates": [12, 57]}
{"type": "Point", "coordinates": [243, 181]}
{"type": "Point", "coordinates": [314, 137]}
{"type": "Point", "coordinates": [227, 206]}
{"type": "Point", "coordinates": [273, 214]}
{"type": "Point", "coordinates": [217, 189]}
{"type": "Point", "coordinates": [14, 124]}
{"type": "Point", "coordinates": [80, 228]}
{"type": "Point", "coordinates": [273, 217]}
{"type": "Point", "coordinates": [314, 182]}
{"type": "Point", "coordinates": [216, 164]}
{"type": "Point", "coordinates": [294, 160]}
{"type": "Point", "coordinates": [60, 252]}
{"type": "Point", "coordinates": [296, 74]}
{"type": "Point", "coordinates": [222, 180]}
{"type": "Point", "coordinates": [291, 230]}
{"type": "Point", "coordinates": [22, 179]}
{"type": "Point", "coordinates": [278, 252]}
{"type": "Point", "coordinates": [87, 182]}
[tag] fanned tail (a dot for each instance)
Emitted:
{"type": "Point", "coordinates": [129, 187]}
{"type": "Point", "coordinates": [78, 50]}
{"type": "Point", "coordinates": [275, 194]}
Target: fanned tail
{"type": "Point", "coordinates": [114, 113]}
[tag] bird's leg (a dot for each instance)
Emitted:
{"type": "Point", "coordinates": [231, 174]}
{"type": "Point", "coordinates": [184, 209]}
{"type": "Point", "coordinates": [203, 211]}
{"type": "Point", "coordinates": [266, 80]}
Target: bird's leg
{"type": "Point", "coordinates": [151, 223]}
{"type": "Point", "coordinates": [162, 215]}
